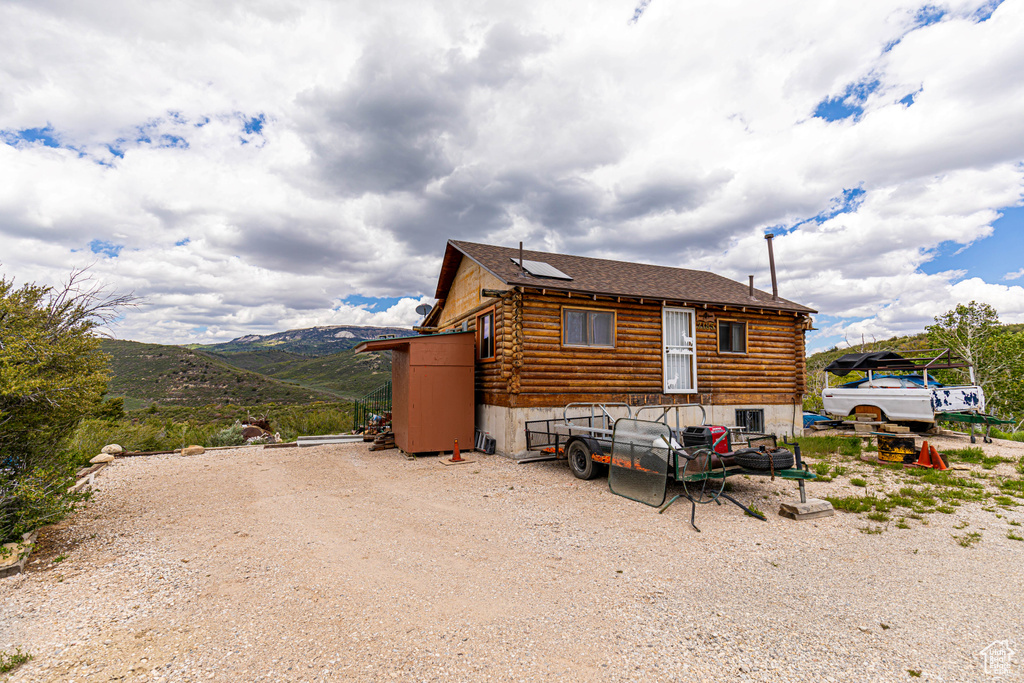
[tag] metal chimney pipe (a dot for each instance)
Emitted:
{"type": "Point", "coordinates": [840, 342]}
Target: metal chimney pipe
{"type": "Point", "coordinates": [751, 286]}
{"type": "Point", "coordinates": [771, 265]}
{"type": "Point", "coordinates": [521, 269]}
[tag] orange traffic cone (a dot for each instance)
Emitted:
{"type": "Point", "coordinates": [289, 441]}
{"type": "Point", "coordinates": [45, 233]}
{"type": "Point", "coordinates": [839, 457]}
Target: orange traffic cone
{"type": "Point", "coordinates": [456, 458]}
{"type": "Point", "coordinates": [924, 460]}
{"type": "Point", "coordinates": [937, 462]}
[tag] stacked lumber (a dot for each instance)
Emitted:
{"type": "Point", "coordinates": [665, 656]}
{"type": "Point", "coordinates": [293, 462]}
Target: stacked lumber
{"type": "Point", "coordinates": [383, 442]}
{"type": "Point", "coordinates": [894, 429]}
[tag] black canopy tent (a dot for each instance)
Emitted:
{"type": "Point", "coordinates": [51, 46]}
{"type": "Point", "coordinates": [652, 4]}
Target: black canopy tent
{"type": "Point", "coordinates": [929, 359]}
{"type": "Point", "coordinates": [874, 360]}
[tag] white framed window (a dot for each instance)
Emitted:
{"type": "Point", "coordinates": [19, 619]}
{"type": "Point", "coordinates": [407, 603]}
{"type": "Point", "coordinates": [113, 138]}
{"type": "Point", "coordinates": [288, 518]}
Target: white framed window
{"type": "Point", "coordinates": [679, 340]}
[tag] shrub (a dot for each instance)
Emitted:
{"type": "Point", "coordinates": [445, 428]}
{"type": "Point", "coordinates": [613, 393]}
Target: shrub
{"type": "Point", "coordinates": [53, 375]}
{"type": "Point", "coordinates": [232, 436]}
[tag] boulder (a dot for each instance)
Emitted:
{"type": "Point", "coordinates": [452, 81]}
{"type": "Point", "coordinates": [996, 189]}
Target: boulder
{"type": "Point", "coordinates": [193, 450]}
{"type": "Point", "coordinates": [112, 449]}
{"type": "Point", "coordinates": [102, 458]}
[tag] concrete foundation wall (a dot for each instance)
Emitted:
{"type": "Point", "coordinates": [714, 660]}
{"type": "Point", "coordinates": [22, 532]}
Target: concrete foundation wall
{"type": "Point", "coordinates": [507, 425]}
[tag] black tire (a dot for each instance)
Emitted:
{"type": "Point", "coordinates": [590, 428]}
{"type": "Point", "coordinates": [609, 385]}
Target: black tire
{"type": "Point", "coordinates": [580, 461]}
{"type": "Point", "coordinates": [755, 459]}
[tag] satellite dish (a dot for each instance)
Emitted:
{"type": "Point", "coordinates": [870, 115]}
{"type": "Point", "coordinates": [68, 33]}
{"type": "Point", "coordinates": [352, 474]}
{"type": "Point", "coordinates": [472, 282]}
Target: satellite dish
{"type": "Point", "coordinates": [423, 309]}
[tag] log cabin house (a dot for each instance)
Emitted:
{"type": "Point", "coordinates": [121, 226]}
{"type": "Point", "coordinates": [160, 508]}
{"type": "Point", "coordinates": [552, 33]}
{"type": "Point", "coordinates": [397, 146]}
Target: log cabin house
{"type": "Point", "coordinates": [563, 329]}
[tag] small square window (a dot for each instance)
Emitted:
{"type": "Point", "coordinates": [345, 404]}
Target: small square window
{"type": "Point", "coordinates": [485, 335]}
{"type": "Point", "coordinates": [582, 327]}
{"type": "Point", "coordinates": [751, 419]}
{"type": "Point", "coordinates": [732, 336]}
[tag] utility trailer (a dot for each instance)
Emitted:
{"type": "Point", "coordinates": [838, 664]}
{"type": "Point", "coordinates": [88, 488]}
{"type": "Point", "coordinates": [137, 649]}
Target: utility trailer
{"type": "Point", "coordinates": [640, 451]}
{"type": "Point", "coordinates": [583, 435]}
{"type": "Point", "coordinates": [899, 388]}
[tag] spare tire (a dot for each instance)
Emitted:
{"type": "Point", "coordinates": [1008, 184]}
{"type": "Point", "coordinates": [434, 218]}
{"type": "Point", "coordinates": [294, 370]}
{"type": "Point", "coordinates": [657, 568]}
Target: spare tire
{"type": "Point", "coordinates": [757, 459]}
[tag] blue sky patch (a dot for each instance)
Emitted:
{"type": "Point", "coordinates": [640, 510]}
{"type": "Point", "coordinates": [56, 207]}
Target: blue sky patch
{"type": "Point", "coordinates": [928, 15]}
{"type": "Point", "coordinates": [254, 126]}
{"type": "Point", "coordinates": [105, 248]}
{"type": "Point", "coordinates": [44, 135]}
{"type": "Point", "coordinates": [848, 202]}
{"type": "Point", "coordinates": [836, 109]}
{"type": "Point", "coordinates": [183, 242]}
{"type": "Point", "coordinates": [371, 303]}
{"type": "Point", "coordinates": [849, 103]}
{"type": "Point", "coordinates": [990, 258]}
{"type": "Point", "coordinates": [909, 99]}
{"type": "Point", "coordinates": [175, 141]}
{"type": "Point", "coordinates": [984, 12]}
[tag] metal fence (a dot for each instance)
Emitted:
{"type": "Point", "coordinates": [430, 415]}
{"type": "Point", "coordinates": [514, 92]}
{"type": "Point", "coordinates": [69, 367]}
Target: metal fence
{"type": "Point", "coordinates": [376, 403]}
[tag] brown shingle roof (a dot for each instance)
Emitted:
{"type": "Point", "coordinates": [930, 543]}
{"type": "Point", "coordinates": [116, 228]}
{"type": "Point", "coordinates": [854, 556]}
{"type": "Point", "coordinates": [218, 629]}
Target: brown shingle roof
{"type": "Point", "coordinates": [602, 276]}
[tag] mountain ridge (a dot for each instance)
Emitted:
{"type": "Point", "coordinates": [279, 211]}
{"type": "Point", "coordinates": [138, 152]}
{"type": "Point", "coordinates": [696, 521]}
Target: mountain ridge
{"type": "Point", "coordinates": [293, 366]}
{"type": "Point", "coordinates": [320, 340]}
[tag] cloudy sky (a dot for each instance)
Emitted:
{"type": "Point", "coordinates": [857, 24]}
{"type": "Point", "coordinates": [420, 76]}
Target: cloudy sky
{"type": "Point", "coordinates": [249, 167]}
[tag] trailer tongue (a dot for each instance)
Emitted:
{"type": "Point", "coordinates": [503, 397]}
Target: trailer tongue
{"type": "Point", "coordinates": [977, 419]}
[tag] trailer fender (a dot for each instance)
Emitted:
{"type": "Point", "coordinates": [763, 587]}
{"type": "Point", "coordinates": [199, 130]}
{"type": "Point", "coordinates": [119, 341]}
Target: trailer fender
{"type": "Point", "coordinates": [596, 451]}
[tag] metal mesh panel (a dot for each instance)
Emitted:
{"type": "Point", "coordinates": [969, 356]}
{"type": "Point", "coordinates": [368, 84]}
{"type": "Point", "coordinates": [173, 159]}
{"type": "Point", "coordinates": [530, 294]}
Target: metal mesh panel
{"type": "Point", "coordinates": [540, 434]}
{"type": "Point", "coordinates": [640, 461]}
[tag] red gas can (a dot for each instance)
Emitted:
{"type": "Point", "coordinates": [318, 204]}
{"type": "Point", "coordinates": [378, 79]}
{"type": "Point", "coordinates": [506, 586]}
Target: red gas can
{"type": "Point", "coordinates": [706, 435]}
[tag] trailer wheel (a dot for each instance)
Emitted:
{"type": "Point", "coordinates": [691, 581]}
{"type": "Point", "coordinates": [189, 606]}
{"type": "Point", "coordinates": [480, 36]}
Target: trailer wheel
{"type": "Point", "coordinates": [580, 462]}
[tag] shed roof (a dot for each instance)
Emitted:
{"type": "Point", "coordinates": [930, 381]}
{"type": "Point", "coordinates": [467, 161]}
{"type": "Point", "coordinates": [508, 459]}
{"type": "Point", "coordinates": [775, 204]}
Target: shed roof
{"type": "Point", "coordinates": [392, 343]}
{"type": "Point", "coordinates": [607, 277]}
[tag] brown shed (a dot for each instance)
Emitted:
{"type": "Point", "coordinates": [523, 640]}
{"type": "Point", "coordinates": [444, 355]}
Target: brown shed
{"type": "Point", "coordinates": [432, 390]}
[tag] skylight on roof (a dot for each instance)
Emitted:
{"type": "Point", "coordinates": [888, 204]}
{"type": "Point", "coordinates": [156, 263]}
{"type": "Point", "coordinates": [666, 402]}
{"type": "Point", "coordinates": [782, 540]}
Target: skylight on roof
{"type": "Point", "coordinates": [541, 269]}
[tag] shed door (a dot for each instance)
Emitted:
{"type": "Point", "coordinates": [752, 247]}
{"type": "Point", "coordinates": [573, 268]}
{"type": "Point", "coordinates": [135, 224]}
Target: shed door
{"type": "Point", "coordinates": [679, 340]}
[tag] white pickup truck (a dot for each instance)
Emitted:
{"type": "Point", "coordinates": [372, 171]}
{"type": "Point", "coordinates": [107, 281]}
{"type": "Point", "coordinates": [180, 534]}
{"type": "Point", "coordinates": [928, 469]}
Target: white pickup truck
{"type": "Point", "coordinates": [904, 398]}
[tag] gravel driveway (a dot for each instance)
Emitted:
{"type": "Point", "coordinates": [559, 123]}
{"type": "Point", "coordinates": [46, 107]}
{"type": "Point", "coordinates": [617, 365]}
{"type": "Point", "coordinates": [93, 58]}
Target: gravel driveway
{"type": "Point", "coordinates": [335, 563]}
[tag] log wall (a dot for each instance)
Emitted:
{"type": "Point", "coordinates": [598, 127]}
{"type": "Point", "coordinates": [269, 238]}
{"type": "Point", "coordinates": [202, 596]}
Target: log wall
{"type": "Point", "coordinates": [533, 369]}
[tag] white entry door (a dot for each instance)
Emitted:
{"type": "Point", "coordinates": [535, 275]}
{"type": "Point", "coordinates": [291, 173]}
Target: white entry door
{"type": "Point", "coordinates": [679, 337]}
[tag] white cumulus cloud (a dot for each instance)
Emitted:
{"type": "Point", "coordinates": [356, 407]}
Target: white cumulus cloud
{"type": "Point", "coordinates": [247, 167]}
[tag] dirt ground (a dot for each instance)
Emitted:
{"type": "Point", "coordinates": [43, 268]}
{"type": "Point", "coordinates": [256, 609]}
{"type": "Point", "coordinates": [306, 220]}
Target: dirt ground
{"type": "Point", "coordinates": [334, 563]}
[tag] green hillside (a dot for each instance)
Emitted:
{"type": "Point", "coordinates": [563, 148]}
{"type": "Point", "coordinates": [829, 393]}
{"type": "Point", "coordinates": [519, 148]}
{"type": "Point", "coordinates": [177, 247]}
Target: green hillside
{"type": "Point", "coordinates": [174, 375]}
{"type": "Point", "coordinates": [345, 374]}
{"type": "Point", "coordinates": [263, 361]}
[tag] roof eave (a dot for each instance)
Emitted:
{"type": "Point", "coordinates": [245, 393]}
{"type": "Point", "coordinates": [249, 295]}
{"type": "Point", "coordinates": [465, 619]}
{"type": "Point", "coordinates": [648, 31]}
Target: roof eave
{"type": "Point", "coordinates": [453, 255]}
{"type": "Point", "coordinates": [768, 306]}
